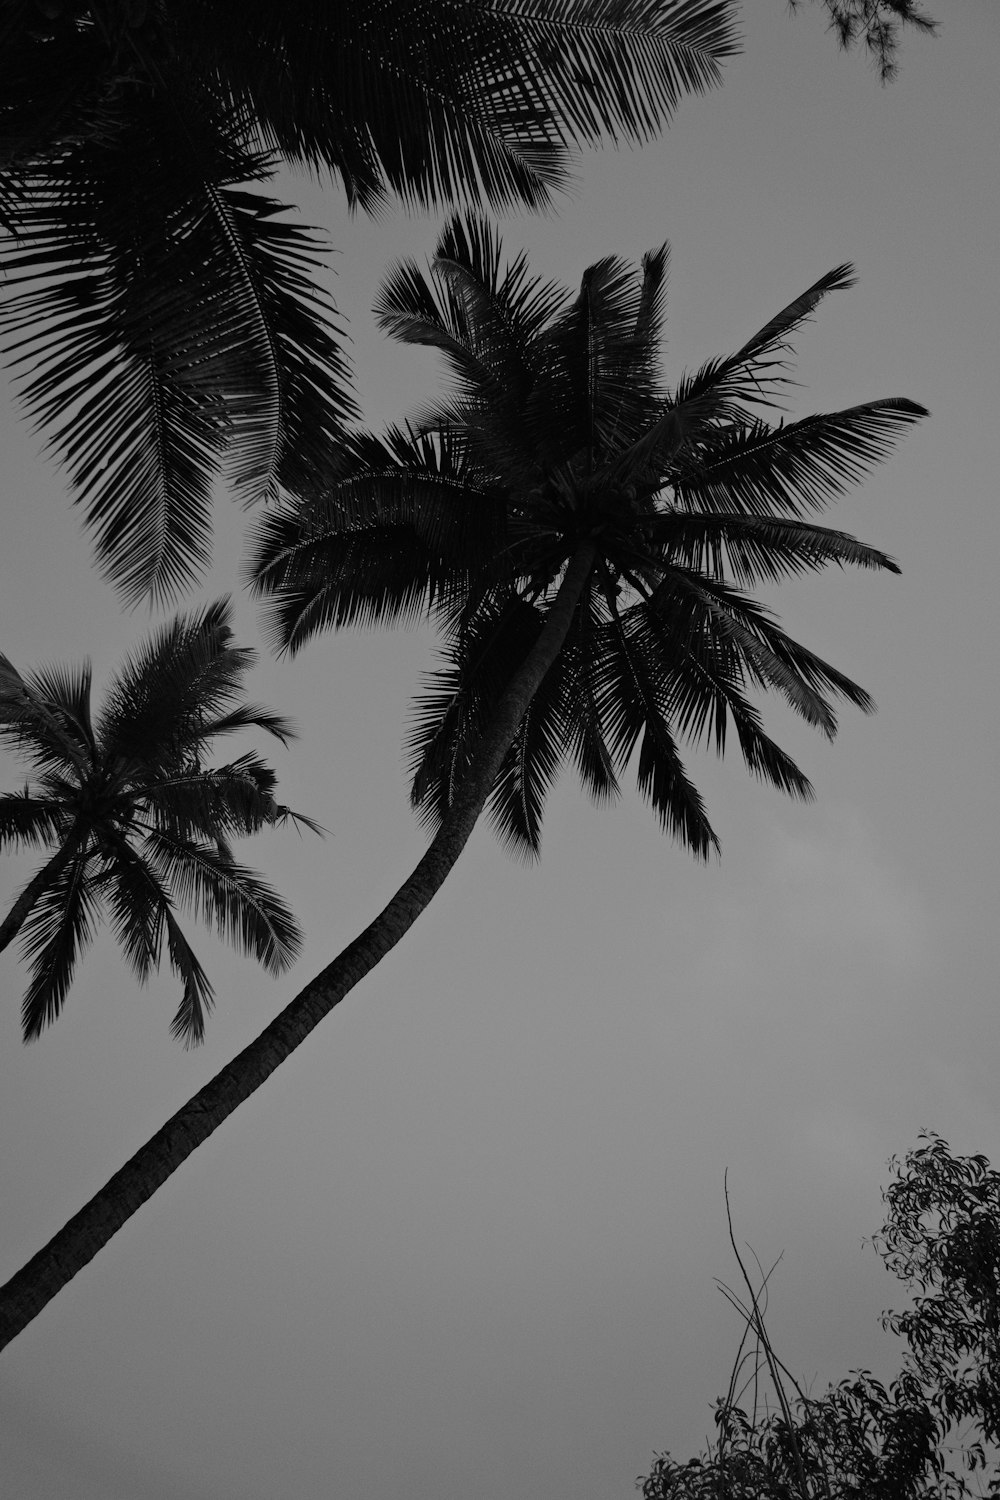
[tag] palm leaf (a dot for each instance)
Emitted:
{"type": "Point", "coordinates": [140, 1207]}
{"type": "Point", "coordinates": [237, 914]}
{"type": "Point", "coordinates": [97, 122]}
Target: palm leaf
{"type": "Point", "coordinates": [381, 544]}
{"type": "Point", "coordinates": [188, 673]}
{"type": "Point", "coordinates": [166, 319]}
{"type": "Point", "coordinates": [633, 700]}
{"type": "Point", "coordinates": [227, 896]}
{"type": "Point", "coordinates": [791, 469]}
{"type": "Point", "coordinates": [528, 770]}
{"type": "Point", "coordinates": [702, 675]}
{"type": "Point", "coordinates": [484, 95]}
{"type": "Point", "coordinates": [60, 926]}
{"type": "Point", "coordinates": [755, 548]}
{"type": "Point", "coordinates": [188, 1024]}
{"type": "Point", "coordinates": [30, 820]}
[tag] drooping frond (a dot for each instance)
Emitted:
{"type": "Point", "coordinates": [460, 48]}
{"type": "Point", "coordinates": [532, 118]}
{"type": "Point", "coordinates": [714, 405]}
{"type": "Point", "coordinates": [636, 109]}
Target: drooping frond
{"type": "Point", "coordinates": [60, 926]}
{"type": "Point", "coordinates": [226, 896]}
{"type": "Point", "coordinates": [29, 821]}
{"type": "Point", "coordinates": [165, 324]}
{"type": "Point", "coordinates": [448, 100]}
{"type": "Point", "coordinates": [454, 709]}
{"type": "Point", "coordinates": [634, 701]}
{"type": "Point", "coordinates": [703, 676]}
{"type": "Point", "coordinates": [163, 317]}
{"type": "Point", "coordinates": [188, 1024]}
{"type": "Point", "coordinates": [393, 535]}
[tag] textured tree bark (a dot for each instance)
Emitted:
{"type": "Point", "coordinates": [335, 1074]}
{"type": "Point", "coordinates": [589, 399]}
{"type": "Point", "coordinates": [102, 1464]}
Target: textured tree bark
{"type": "Point", "coordinates": [28, 1291]}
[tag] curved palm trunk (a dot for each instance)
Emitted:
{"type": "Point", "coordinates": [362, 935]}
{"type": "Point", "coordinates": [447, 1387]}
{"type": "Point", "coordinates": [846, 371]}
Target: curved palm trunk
{"type": "Point", "coordinates": [27, 1292]}
{"type": "Point", "coordinates": [20, 911]}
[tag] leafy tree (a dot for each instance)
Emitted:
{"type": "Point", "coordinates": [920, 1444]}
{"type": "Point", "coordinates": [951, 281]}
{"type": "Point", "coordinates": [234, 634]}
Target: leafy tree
{"type": "Point", "coordinates": [877, 25]}
{"type": "Point", "coordinates": [137, 822]}
{"type": "Point", "coordinates": [932, 1433]}
{"type": "Point", "coordinates": [160, 311]}
{"type": "Point", "coordinates": [586, 537]}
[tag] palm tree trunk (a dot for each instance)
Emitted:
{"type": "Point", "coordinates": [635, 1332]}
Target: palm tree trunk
{"type": "Point", "coordinates": [19, 912]}
{"type": "Point", "coordinates": [28, 1291]}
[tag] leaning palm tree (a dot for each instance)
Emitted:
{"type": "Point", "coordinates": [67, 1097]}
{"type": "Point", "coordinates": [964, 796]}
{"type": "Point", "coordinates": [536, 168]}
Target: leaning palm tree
{"type": "Point", "coordinates": [586, 537]}
{"type": "Point", "coordinates": [161, 312]}
{"type": "Point", "coordinates": [137, 823]}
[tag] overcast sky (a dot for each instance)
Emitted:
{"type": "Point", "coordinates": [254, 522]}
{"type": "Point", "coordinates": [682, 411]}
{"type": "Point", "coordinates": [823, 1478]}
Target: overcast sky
{"type": "Point", "coordinates": [464, 1242]}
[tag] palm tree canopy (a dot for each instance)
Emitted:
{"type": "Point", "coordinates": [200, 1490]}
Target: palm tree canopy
{"type": "Point", "coordinates": [560, 434]}
{"type": "Point", "coordinates": [138, 823]}
{"type": "Point", "coordinates": [162, 312]}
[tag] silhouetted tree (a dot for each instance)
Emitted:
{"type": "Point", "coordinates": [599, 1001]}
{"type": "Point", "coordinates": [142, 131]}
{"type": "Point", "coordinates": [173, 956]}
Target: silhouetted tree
{"type": "Point", "coordinates": [138, 824]}
{"type": "Point", "coordinates": [932, 1433]}
{"type": "Point", "coordinates": [586, 537]}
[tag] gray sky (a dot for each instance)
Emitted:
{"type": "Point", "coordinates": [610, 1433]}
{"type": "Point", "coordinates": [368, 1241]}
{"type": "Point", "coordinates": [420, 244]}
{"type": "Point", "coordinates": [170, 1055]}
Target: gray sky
{"type": "Point", "coordinates": [464, 1242]}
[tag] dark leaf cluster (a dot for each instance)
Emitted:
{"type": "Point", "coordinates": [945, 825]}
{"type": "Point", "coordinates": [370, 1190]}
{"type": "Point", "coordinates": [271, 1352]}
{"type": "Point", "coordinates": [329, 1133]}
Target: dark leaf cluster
{"type": "Point", "coordinates": [931, 1433]}
{"type": "Point", "coordinates": [162, 314]}
{"type": "Point", "coordinates": [138, 824]}
{"type": "Point", "coordinates": [559, 434]}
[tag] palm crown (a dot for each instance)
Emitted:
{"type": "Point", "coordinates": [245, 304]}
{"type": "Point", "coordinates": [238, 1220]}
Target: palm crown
{"type": "Point", "coordinates": [138, 823]}
{"type": "Point", "coordinates": [559, 451]}
{"type": "Point", "coordinates": [162, 317]}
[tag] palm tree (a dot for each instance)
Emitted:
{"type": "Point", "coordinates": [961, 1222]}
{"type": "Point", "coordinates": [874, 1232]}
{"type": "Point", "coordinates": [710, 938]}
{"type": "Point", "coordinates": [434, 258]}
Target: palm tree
{"type": "Point", "coordinates": [585, 538]}
{"type": "Point", "coordinates": [137, 822]}
{"type": "Point", "coordinates": [162, 315]}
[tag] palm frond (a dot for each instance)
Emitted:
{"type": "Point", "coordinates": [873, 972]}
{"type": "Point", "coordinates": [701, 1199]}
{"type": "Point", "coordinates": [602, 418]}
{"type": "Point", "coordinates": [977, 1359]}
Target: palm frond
{"type": "Point", "coordinates": [184, 676]}
{"type": "Point", "coordinates": [584, 731]}
{"type": "Point", "coordinates": [702, 675]}
{"type": "Point", "coordinates": [483, 95]}
{"type": "Point", "coordinates": [226, 896]}
{"type": "Point", "coordinates": [454, 708]}
{"type": "Point", "coordinates": [59, 927]}
{"type": "Point", "coordinates": [750, 549]}
{"type": "Point", "coordinates": [136, 902]}
{"type": "Point", "coordinates": [790, 469]}
{"type": "Point", "coordinates": [30, 821]}
{"type": "Point", "coordinates": [633, 700]}
{"type": "Point", "coordinates": [166, 321]}
{"type": "Point", "coordinates": [209, 802]}
{"type": "Point", "coordinates": [528, 770]}
{"type": "Point", "coordinates": [381, 545]}
{"type": "Point", "coordinates": [188, 1024]}
{"type": "Point", "coordinates": [250, 716]}
{"type": "Point", "coordinates": [46, 717]}
{"type": "Point", "coordinates": [757, 373]}
{"type": "Point", "coordinates": [768, 656]}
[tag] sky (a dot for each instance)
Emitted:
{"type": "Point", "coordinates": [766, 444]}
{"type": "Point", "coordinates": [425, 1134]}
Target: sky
{"type": "Point", "coordinates": [466, 1241]}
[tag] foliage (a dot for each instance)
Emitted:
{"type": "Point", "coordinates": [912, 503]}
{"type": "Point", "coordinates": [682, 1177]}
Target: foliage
{"type": "Point", "coordinates": [139, 824]}
{"type": "Point", "coordinates": [932, 1433]}
{"type": "Point", "coordinates": [162, 313]}
{"type": "Point", "coordinates": [558, 436]}
{"type": "Point", "coordinates": [877, 24]}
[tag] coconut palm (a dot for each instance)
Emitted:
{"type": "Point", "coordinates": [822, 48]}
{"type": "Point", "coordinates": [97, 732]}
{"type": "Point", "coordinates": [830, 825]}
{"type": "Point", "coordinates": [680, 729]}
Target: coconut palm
{"type": "Point", "coordinates": [137, 823]}
{"type": "Point", "coordinates": [160, 311]}
{"type": "Point", "coordinates": [586, 537]}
